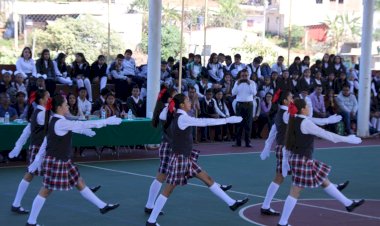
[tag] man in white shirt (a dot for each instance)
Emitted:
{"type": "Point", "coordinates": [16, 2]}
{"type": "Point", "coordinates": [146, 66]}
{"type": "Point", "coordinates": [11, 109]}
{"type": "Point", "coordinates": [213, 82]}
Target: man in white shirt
{"type": "Point", "coordinates": [245, 90]}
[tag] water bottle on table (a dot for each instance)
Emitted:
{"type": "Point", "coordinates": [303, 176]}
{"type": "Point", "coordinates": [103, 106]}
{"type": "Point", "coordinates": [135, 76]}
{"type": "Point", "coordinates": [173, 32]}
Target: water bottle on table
{"type": "Point", "coordinates": [103, 114]}
{"type": "Point", "coordinates": [129, 115]}
{"type": "Point", "coordinates": [6, 118]}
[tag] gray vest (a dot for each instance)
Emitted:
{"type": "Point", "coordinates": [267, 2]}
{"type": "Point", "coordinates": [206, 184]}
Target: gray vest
{"type": "Point", "coordinates": [280, 126]}
{"type": "Point", "coordinates": [58, 146]}
{"type": "Point", "coordinates": [304, 142]}
{"type": "Point", "coordinates": [37, 131]}
{"type": "Point", "coordinates": [182, 142]}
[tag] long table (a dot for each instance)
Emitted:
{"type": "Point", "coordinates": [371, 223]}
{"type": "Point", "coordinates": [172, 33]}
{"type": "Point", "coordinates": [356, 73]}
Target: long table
{"type": "Point", "coordinates": [129, 132]}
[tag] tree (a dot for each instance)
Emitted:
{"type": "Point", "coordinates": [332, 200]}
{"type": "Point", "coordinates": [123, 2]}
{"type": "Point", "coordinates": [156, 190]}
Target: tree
{"type": "Point", "coordinates": [256, 48]}
{"type": "Point", "coordinates": [142, 5]}
{"type": "Point", "coordinates": [170, 41]}
{"type": "Point", "coordinates": [84, 34]}
{"type": "Point", "coordinates": [229, 14]}
{"type": "Point", "coordinates": [342, 29]}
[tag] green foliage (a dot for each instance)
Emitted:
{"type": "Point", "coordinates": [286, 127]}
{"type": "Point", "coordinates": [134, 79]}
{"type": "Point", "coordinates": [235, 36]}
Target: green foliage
{"type": "Point", "coordinates": [170, 16]}
{"type": "Point", "coordinates": [343, 28]}
{"type": "Point", "coordinates": [297, 35]}
{"type": "Point", "coordinates": [84, 34]}
{"type": "Point", "coordinates": [141, 5]}
{"type": "Point", "coordinates": [170, 41]}
{"type": "Point", "coordinates": [253, 49]}
{"type": "Point", "coordinates": [229, 15]}
{"type": "Point", "coordinates": [376, 34]}
{"type": "Point", "coordinates": [7, 54]}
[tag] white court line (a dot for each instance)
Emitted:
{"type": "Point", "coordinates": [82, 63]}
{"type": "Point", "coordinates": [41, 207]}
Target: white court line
{"type": "Point", "coordinates": [232, 191]}
{"type": "Point", "coordinates": [208, 155]}
{"type": "Point", "coordinates": [241, 211]}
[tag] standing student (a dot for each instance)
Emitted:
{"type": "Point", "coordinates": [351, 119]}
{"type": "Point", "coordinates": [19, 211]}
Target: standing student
{"type": "Point", "coordinates": [277, 132]}
{"type": "Point", "coordinates": [244, 89]}
{"type": "Point", "coordinates": [308, 172]}
{"type": "Point", "coordinates": [56, 153]}
{"type": "Point", "coordinates": [183, 159]}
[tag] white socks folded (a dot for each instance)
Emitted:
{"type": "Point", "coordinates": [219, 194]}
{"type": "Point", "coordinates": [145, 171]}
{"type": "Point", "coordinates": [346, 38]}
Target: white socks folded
{"type": "Point", "coordinates": [37, 205]}
{"type": "Point", "coordinates": [22, 187]}
{"type": "Point", "coordinates": [160, 202]}
{"type": "Point", "coordinates": [271, 192]}
{"type": "Point", "coordinates": [336, 194]}
{"type": "Point", "coordinates": [215, 188]}
{"type": "Point", "coordinates": [154, 189]}
{"type": "Point", "coordinates": [90, 196]}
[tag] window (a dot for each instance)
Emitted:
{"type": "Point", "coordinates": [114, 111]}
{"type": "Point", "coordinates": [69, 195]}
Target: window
{"type": "Point", "coordinates": [319, 1]}
{"type": "Point", "coordinates": [341, 1]}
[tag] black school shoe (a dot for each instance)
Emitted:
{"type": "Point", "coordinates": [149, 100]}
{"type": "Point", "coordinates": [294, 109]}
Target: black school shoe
{"type": "Point", "coordinates": [283, 225]}
{"type": "Point", "coordinates": [27, 224]}
{"type": "Point", "coordinates": [225, 187]}
{"type": "Point", "coordinates": [269, 212]}
{"type": "Point", "coordinates": [95, 189]}
{"type": "Point", "coordinates": [151, 224]}
{"type": "Point", "coordinates": [238, 204]}
{"type": "Point", "coordinates": [342, 186]}
{"type": "Point", "coordinates": [355, 203]}
{"type": "Point", "coordinates": [149, 211]}
{"type": "Point", "coordinates": [108, 207]}
{"type": "Point", "coordinates": [19, 210]}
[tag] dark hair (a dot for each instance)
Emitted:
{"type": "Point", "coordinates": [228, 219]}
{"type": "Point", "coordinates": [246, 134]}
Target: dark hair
{"type": "Point", "coordinates": [161, 104]}
{"type": "Point", "coordinates": [284, 96]}
{"type": "Point", "coordinates": [83, 58]}
{"type": "Point", "coordinates": [26, 48]}
{"type": "Point", "coordinates": [128, 51]}
{"type": "Point", "coordinates": [101, 57]}
{"type": "Point", "coordinates": [170, 59]}
{"type": "Point", "coordinates": [50, 63]}
{"type": "Point", "coordinates": [59, 59]}
{"type": "Point", "coordinates": [291, 130]}
{"type": "Point", "coordinates": [237, 56]}
{"type": "Point", "coordinates": [221, 54]}
{"type": "Point", "coordinates": [57, 101]}
{"type": "Point", "coordinates": [178, 100]}
{"type": "Point", "coordinates": [191, 55]}
{"type": "Point", "coordinates": [120, 56]}
{"type": "Point", "coordinates": [228, 57]}
{"type": "Point", "coordinates": [210, 90]}
{"type": "Point", "coordinates": [82, 88]}
{"type": "Point", "coordinates": [40, 94]}
{"type": "Point", "coordinates": [212, 57]}
{"type": "Point", "coordinates": [73, 109]}
{"type": "Point", "coordinates": [104, 91]}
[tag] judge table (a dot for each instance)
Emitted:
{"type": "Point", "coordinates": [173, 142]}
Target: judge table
{"type": "Point", "coordinates": [138, 131]}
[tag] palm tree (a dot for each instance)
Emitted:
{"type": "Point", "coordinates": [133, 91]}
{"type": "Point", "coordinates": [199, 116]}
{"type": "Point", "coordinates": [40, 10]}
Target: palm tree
{"type": "Point", "coordinates": [229, 14]}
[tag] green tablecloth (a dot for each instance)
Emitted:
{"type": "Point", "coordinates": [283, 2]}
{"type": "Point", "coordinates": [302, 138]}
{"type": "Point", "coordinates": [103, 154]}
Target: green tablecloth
{"type": "Point", "coordinates": [129, 132]}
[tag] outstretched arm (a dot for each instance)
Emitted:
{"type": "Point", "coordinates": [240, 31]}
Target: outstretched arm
{"type": "Point", "coordinates": [20, 142]}
{"type": "Point", "coordinates": [185, 121]}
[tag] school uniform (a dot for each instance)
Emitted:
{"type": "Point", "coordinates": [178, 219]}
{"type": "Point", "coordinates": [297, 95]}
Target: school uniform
{"type": "Point", "coordinates": [281, 126]}
{"type": "Point", "coordinates": [165, 149]}
{"type": "Point", "coordinates": [37, 134]}
{"type": "Point", "coordinates": [136, 105]}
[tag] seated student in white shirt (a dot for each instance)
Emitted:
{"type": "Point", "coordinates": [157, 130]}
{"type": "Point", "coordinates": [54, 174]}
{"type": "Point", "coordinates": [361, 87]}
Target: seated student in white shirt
{"type": "Point", "coordinates": [83, 104]}
{"type": "Point", "coordinates": [223, 112]}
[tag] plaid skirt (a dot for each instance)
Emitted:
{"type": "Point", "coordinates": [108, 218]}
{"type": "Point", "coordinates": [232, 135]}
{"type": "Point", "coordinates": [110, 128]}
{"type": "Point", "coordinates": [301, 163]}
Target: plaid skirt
{"type": "Point", "coordinates": [307, 173]}
{"type": "Point", "coordinates": [182, 168]}
{"type": "Point", "coordinates": [32, 152]}
{"type": "Point", "coordinates": [164, 154]}
{"type": "Point", "coordinates": [59, 175]}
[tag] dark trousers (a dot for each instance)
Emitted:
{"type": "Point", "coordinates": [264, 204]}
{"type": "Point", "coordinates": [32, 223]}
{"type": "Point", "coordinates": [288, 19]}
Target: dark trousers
{"type": "Point", "coordinates": [123, 89]}
{"type": "Point", "coordinates": [245, 110]}
{"type": "Point", "coordinates": [50, 86]}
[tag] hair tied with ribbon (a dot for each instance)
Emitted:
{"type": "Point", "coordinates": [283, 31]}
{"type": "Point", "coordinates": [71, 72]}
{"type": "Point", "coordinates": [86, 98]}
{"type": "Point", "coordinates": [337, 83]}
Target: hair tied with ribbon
{"type": "Point", "coordinates": [162, 92]}
{"type": "Point", "coordinates": [32, 97]}
{"type": "Point", "coordinates": [49, 104]}
{"type": "Point", "coordinates": [171, 106]}
{"type": "Point", "coordinates": [276, 96]}
{"type": "Point", "coordinates": [292, 109]}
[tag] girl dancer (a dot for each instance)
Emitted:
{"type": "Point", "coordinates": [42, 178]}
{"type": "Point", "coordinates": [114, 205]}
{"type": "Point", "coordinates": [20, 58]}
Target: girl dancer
{"type": "Point", "coordinates": [182, 161]}
{"type": "Point", "coordinates": [284, 98]}
{"type": "Point", "coordinates": [306, 171]}
{"type": "Point", "coordinates": [60, 172]}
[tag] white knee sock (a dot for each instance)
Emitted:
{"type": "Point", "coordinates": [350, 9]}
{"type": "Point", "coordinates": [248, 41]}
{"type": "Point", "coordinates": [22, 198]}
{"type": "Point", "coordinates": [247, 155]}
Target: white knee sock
{"type": "Point", "coordinates": [153, 192]}
{"type": "Point", "coordinates": [160, 202]}
{"type": "Point", "coordinates": [90, 196]}
{"type": "Point", "coordinates": [271, 192]}
{"type": "Point", "coordinates": [103, 82]}
{"type": "Point", "coordinates": [22, 187]}
{"type": "Point", "coordinates": [215, 188]}
{"type": "Point", "coordinates": [87, 84]}
{"type": "Point", "coordinates": [37, 205]}
{"type": "Point", "coordinates": [336, 194]}
{"type": "Point", "coordinates": [289, 205]}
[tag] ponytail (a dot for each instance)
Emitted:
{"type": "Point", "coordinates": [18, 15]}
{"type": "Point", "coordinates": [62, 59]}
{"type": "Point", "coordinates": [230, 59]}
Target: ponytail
{"type": "Point", "coordinates": [34, 97]}
{"type": "Point", "coordinates": [163, 98]}
{"type": "Point", "coordinates": [47, 115]}
{"type": "Point", "coordinates": [173, 105]}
